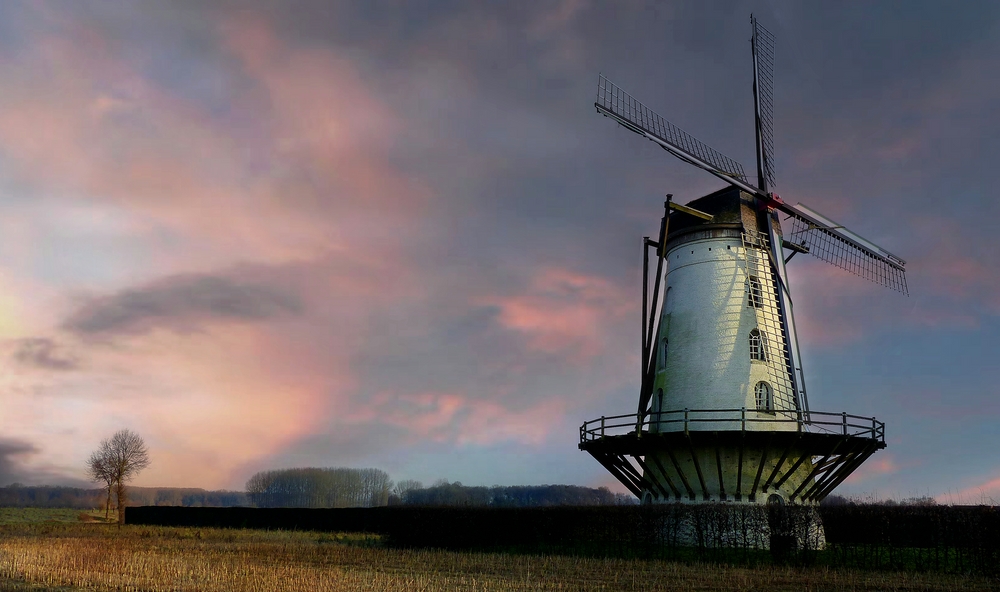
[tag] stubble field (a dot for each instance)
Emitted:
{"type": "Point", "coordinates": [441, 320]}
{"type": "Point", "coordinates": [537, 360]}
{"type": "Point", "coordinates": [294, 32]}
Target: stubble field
{"type": "Point", "coordinates": [60, 553]}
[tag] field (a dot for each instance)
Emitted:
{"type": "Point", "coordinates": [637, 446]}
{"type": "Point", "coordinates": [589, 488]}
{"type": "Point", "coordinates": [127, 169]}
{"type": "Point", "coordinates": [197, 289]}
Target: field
{"type": "Point", "coordinates": [49, 550]}
{"type": "Point", "coordinates": [10, 516]}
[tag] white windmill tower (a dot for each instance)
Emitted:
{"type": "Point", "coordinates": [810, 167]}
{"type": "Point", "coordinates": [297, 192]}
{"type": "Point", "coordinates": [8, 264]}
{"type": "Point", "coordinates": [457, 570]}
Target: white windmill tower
{"type": "Point", "coordinates": [723, 414]}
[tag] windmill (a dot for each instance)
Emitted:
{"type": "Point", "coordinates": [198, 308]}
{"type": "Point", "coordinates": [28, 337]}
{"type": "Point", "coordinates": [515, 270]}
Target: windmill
{"type": "Point", "coordinates": [723, 414]}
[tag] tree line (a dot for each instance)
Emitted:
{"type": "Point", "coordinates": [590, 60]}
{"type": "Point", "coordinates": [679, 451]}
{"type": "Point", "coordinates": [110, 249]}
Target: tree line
{"type": "Point", "coordinates": [319, 488]}
{"type": "Point", "coordinates": [366, 488]}
{"type": "Point", "coordinates": [506, 496]}
{"type": "Point", "coordinates": [17, 495]}
{"type": "Point", "coordinates": [401, 493]}
{"type": "Point", "coordinates": [121, 457]}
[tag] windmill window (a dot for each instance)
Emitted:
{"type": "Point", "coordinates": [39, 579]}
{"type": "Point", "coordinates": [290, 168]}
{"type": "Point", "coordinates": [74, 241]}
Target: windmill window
{"type": "Point", "coordinates": [758, 346]}
{"type": "Point", "coordinates": [663, 353]}
{"type": "Point", "coordinates": [763, 394]}
{"type": "Point", "coordinates": [753, 293]}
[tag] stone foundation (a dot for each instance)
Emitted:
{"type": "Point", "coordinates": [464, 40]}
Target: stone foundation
{"type": "Point", "coordinates": [775, 526]}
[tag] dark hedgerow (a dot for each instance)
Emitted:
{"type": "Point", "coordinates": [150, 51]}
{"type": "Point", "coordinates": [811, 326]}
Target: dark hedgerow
{"type": "Point", "coordinates": [956, 539]}
{"type": "Point", "coordinates": [952, 539]}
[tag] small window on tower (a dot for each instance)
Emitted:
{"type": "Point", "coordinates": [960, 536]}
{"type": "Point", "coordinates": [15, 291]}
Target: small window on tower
{"type": "Point", "coordinates": [764, 398]}
{"type": "Point", "coordinates": [753, 293]}
{"type": "Point", "coordinates": [758, 346]}
{"type": "Point", "coordinates": [663, 352]}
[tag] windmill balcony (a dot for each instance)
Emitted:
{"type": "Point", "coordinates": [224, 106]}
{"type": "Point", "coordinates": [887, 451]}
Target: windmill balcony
{"type": "Point", "coordinates": [727, 420]}
{"type": "Point", "coordinates": [732, 455]}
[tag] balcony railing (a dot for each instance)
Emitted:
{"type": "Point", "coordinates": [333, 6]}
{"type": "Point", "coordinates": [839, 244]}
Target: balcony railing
{"type": "Point", "coordinates": [685, 420]}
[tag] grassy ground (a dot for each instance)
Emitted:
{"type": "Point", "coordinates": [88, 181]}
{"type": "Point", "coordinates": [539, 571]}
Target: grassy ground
{"type": "Point", "coordinates": [59, 515]}
{"type": "Point", "coordinates": [45, 553]}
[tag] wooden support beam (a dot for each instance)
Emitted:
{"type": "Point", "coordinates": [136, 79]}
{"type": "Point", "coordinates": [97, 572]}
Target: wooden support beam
{"type": "Point", "coordinates": [622, 478]}
{"type": "Point", "coordinates": [760, 468]}
{"type": "Point", "coordinates": [697, 468]}
{"type": "Point", "coordinates": [666, 477]}
{"type": "Point", "coordinates": [844, 471]}
{"type": "Point", "coordinates": [691, 211]}
{"type": "Point", "coordinates": [817, 467]}
{"type": "Point", "coordinates": [777, 468]}
{"type": "Point", "coordinates": [718, 463]}
{"type": "Point", "coordinates": [795, 465]}
{"type": "Point", "coordinates": [680, 473]}
{"type": "Point", "coordinates": [648, 479]}
{"type": "Point", "coordinates": [739, 469]}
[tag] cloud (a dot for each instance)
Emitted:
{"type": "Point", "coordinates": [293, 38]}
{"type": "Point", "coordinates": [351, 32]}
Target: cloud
{"type": "Point", "coordinates": [181, 302]}
{"type": "Point", "coordinates": [43, 353]}
{"type": "Point", "coordinates": [880, 464]}
{"type": "Point", "coordinates": [987, 492]}
{"type": "Point", "coordinates": [561, 311]}
{"type": "Point", "coordinates": [14, 466]}
{"type": "Point", "coordinates": [12, 454]}
{"type": "Point", "coordinates": [458, 418]}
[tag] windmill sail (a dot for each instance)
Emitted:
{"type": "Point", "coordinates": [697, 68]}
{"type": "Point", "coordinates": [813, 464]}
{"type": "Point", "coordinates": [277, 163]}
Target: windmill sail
{"type": "Point", "coordinates": [762, 45]}
{"type": "Point", "coordinates": [835, 244]}
{"type": "Point", "coordinates": [824, 238]}
{"type": "Point", "coordinates": [617, 104]}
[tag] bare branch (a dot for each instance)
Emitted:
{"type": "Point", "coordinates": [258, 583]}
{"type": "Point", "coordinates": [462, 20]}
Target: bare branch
{"type": "Point", "coordinates": [116, 462]}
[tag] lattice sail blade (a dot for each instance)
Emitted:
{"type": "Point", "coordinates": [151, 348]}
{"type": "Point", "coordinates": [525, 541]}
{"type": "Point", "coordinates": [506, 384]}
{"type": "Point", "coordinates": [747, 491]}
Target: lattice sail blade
{"type": "Point", "coordinates": [763, 49]}
{"type": "Point", "coordinates": [613, 102]}
{"type": "Point", "coordinates": [834, 244]}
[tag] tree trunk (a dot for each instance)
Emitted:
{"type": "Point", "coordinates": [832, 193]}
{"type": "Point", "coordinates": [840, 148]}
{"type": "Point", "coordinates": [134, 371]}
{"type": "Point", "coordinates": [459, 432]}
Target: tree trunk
{"type": "Point", "coordinates": [121, 495]}
{"type": "Point", "coordinates": [107, 505]}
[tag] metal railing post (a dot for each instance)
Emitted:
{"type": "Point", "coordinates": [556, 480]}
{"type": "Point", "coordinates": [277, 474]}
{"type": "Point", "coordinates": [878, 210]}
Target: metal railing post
{"type": "Point", "coordinates": [845, 422]}
{"type": "Point", "coordinates": [798, 414]}
{"type": "Point", "coordinates": [602, 426]}
{"type": "Point", "coordinates": [743, 419]}
{"type": "Point", "coordinates": [685, 421]}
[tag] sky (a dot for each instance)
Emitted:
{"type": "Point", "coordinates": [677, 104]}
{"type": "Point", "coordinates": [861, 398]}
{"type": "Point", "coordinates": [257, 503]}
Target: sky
{"type": "Point", "coordinates": [398, 235]}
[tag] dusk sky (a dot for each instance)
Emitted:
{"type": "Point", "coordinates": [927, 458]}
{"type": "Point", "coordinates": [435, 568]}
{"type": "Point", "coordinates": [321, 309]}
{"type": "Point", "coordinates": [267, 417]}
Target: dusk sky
{"type": "Point", "coordinates": [398, 235]}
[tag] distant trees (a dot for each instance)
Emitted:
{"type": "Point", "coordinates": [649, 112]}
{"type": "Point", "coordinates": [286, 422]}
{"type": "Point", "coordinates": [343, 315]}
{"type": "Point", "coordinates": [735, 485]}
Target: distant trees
{"type": "Point", "coordinates": [47, 496]}
{"type": "Point", "coordinates": [319, 488]}
{"type": "Point", "coordinates": [513, 496]}
{"type": "Point", "coordinates": [401, 489]}
{"type": "Point", "coordinates": [116, 462]}
{"type": "Point", "coordinates": [839, 500]}
{"type": "Point", "coordinates": [344, 488]}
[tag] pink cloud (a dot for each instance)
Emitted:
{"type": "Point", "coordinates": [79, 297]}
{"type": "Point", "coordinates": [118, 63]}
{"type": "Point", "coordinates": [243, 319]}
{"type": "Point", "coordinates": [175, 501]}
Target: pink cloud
{"type": "Point", "coordinates": [832, 306]}
{"type": "Point", "coordinates": [902, 148]}
{"type": "Point", "coordinates": [310, 174]}
{"type": "Point", "coordinates": [566, 312]}
{"type": "Point", "coordinates": [313, 204]}
{"type": "Point", "coordinates": [458, 418]}
{"type": "Point", "coordinates": [835, 148]}
{"type": "Point", "coordinates": [311, 200]}
{"type": "Point", "coordinates": [881, 463]}
{"type": "Point", "coordinates": [987, 492]}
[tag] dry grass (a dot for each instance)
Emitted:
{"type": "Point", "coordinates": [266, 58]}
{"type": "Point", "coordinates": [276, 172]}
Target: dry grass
{"type": "Point", "coordinates": [34, 515]}
{"type": "Point", "coordinates": [101, 557]}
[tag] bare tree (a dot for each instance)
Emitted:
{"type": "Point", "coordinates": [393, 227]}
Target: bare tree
{"type": "Point", "coordinates": [99, 469]}
{"type": "Point", "coordinates": [122, 456]}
